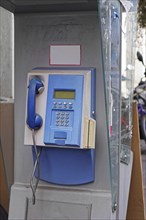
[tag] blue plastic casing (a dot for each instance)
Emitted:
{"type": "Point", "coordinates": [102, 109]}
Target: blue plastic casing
{"type": "Point", "coordinates": [64, 110]}
{"type": "Point", "coordinates": [65, 165]}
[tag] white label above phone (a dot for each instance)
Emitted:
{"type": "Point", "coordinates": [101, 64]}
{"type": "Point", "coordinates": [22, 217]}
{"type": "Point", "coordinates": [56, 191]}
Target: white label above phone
{"type": "Point", "coordinates": [65, 55]}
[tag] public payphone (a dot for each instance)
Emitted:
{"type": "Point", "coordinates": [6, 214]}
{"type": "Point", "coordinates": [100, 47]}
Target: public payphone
{"type": "Point", "coordinates": [60, 124]}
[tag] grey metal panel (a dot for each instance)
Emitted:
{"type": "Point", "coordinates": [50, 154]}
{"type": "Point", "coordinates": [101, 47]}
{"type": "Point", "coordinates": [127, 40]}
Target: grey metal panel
{"type": "Point", "coordinates": [21, 6]}
{"type": "Point", "coordinates": [6, 53]}
{"type": "Point", "coordinates": [46, 2]}
{"type": "Point", "coordinates": [33, 34]}
{"type": "Point", "coordinates": [58, 210]}
{"type": "Point", "coordinates": [52, 204]}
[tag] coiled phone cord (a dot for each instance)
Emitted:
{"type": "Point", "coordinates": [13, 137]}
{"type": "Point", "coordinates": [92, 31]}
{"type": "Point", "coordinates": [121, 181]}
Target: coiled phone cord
{"type": "Point", "coordinates": [36, 165]}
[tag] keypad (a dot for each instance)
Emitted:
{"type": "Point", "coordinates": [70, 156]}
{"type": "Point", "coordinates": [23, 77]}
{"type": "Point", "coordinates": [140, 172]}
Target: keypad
{"type": "Point", "coordinates": [62, 119]}
{"type": "Point", "coordinates": [62, 113]}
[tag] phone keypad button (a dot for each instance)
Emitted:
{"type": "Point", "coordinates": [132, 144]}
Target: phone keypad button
{"type": "Point", "coordinates": [65, 105]}
{"type": "Point", "coordinates": [70, 105]}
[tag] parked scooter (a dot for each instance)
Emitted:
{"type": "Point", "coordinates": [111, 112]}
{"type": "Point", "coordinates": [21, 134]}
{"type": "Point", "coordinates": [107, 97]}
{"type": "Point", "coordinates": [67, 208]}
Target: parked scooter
{"type": "Point", "coordinates": [140, 97]}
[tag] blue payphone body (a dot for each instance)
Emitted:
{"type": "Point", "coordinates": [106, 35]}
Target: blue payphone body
{"type": "Point", "coordinates": [64, 110]}
{"type": "Point", "coordinates": [64, 124]}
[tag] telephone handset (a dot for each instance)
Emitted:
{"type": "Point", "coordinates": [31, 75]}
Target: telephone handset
{"type": "Point", "coordinates": [34, 120]}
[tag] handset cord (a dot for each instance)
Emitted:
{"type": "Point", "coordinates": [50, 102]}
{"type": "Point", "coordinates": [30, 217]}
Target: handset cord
{"type": "Point", "coordinates": [36, 165]}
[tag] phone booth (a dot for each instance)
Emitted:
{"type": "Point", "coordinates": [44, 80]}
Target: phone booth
{"type": "Point", "coordinates": [67, 111]}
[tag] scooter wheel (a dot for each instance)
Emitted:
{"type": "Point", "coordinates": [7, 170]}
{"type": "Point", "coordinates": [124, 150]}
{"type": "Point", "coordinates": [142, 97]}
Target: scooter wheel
{"type": "Point", "coordinates": [142, 125]}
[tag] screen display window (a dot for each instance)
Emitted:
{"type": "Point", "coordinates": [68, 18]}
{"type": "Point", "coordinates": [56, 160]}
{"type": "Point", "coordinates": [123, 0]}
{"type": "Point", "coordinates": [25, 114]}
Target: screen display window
{"type": "Point", "coordinates": [64, 94]}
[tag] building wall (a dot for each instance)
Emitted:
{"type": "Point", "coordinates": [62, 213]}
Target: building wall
{"type": "Point", "coordinates": [6, 53]}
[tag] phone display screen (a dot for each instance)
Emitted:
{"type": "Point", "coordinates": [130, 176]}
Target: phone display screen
{"type": "Point", "coordinates": [64, 94]}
